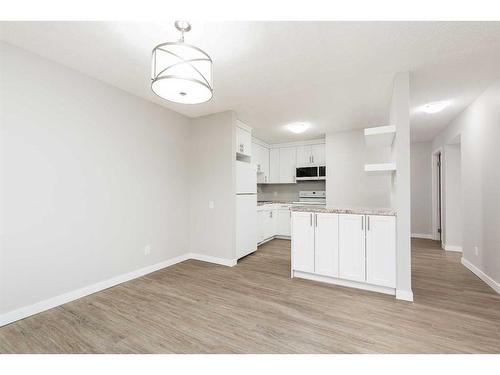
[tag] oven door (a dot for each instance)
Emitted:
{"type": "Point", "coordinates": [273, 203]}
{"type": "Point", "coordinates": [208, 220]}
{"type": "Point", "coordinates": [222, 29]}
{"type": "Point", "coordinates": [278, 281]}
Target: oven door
{"type": "Point", "coordinates": [306, 173]}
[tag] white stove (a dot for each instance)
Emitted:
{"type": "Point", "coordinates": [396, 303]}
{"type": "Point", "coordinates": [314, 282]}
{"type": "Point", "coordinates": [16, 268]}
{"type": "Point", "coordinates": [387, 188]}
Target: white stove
{"type": "Point", "coordinates": [317, 197]}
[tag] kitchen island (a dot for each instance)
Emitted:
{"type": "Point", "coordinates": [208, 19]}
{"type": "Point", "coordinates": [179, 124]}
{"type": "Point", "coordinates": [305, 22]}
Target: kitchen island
{"type": "Point", "coordinates": [353, 247]}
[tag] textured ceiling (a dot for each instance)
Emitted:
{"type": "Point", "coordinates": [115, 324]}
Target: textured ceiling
{"type": "Point", "coordinates": [335, 75]}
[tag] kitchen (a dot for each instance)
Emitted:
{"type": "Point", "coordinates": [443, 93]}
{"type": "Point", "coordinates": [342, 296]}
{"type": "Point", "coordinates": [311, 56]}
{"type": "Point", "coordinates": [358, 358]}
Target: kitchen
{"type": "Point", "coordinates": [348, 246]}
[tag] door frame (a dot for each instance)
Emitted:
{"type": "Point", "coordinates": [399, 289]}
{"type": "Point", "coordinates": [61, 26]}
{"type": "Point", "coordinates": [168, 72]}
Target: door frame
{"type": "Point", "coordinates": [437, 207]}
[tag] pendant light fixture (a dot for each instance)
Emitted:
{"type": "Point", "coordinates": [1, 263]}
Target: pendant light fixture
{"type": "Point", "coordinates": [181, 73]}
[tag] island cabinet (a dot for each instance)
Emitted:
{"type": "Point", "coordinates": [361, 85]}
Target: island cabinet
{"type": "Point", "coordinates": [351, 241]}
{"type": "Point", "coordinates": [303, 241]}
{"type": "Point", "coordinates": [381, 250]}
{"type": "Point", "coordinates": [355, 250]}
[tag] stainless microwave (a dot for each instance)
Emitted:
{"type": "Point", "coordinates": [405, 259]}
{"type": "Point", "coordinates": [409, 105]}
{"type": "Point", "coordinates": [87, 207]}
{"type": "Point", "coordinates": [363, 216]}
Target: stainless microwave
{"type": "Point", "coordinates": [317, 172]}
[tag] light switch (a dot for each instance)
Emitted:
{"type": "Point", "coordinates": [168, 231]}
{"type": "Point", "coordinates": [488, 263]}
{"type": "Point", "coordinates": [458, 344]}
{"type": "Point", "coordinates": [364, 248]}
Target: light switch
{"type": "Point", "coordinates": [211, 204]}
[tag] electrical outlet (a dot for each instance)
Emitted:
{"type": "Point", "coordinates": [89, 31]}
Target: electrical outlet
{"type": "Point", "coordinates": [476, 250]}
{"type": "Point", "coordinates": [275, 193]}
{"type": "Point", "coordinates": [211, 204]}
{"type": "Point", "coordinates": [147, 250]}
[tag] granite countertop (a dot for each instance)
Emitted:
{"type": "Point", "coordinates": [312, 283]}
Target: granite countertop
{"type": "Point", "coordinates": [351, 210]}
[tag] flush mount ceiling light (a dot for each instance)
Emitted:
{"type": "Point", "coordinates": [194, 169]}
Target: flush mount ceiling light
{"type": "Point", "coordinates": [434, 107]}
{"type": "Point", "coordinates": [298, 127]}
{"type": "Point", "coordinates": [181, 73]}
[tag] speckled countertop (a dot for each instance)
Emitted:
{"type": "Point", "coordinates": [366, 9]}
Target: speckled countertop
{"type": "Point", "coordinates": [352, 210]}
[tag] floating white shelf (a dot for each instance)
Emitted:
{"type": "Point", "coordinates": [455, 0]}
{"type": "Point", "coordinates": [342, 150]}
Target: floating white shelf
{"type": "Point", "coordinates": [380, 168]}
{"type": "Point", "coordinates": [380, 136]}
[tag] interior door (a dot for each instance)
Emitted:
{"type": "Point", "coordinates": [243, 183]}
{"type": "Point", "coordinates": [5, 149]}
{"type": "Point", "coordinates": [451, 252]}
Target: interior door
{"type": "Point", "coordinates": [439, 200]}
{"type": "Point", "coordinates": [381, 250]}
{"type": "Point", "coordinates": [326, 245]}
{"type": "Point", "coordinates": [302, 242]}
{"type": "Point", "coordinates": [352, 247]}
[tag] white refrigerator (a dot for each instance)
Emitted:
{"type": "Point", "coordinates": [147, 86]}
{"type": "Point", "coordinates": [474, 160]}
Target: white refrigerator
{"type": "Point", "coordinates": [246, 209]}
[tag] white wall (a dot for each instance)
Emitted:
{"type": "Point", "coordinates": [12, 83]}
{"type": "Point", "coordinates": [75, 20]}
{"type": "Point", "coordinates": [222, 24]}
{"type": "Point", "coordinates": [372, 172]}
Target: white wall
{"type": "Point", "coordinates": [452, 196]}
{"type": "Point", "coordinates": [479, 130]}
{"type": "Point", "coordinates": [212, 178]}
{"type": "Point", "coordinates": [347, 182]}
{"type": "Point", "coordinates": [90, 175]}
{"type": "Point", "coordinates": [421, 189]}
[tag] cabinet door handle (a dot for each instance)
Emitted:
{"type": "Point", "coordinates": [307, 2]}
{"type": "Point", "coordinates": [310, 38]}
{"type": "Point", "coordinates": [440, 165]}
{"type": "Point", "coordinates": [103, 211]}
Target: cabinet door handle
{"type": "Point", "coordinates": [312, 158]}
{"type": "Point", "coordinates": [362, 226]}
{"type": "Point", "coordinates": [271, 214]}
{"type": "Point", "coordinates": [316, 220]}
{"type": "Point", "coordinates": [368, 226]}
{"type": "Point", "coordinates": [310, 220]}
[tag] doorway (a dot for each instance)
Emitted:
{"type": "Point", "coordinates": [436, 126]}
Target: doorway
{"type": "Point", "coordinates": [439, 199]}
{"type": "Point", "coordinates": [437, 195]}
{"type": "Point", "coordinates": [447, 195]}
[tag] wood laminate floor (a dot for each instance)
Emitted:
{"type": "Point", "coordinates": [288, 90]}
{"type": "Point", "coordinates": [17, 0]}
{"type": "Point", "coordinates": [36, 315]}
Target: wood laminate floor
{"type": "Point", "coordinates": [254, 307]}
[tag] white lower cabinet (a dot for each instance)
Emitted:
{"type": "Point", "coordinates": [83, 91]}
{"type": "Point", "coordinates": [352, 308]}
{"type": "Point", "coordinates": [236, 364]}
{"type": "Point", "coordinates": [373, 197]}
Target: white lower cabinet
{"type": "Point", "coordinates": [381, 250]}
{"type": "Point", "coordinates": [346, 249]}
{"type": "Point", "coordinates": [283, 222]}
{"type": "Point", "coordinates": [303, 241]}
{"type": "Point", "coordinates": [260, 226]}
{"type": "Point", "coordinates": [267, 221]}
{"type": "Point", "coordinates": [352, 247]}
{"type": "Point", "coordinates": [326, 245]}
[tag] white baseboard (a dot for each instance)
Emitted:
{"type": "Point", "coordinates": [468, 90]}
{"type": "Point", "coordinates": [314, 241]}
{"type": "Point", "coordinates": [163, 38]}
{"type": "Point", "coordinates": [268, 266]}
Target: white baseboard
{"type": "Point", "coordinates": [404, 295]}
{"type": "Point", "coordinates": [425, 236]}
{"type": "Point", "coordinates": [211, 259]}
{"type": "Point", "coordinates": [289, 238]}
{"type": "Point", "coordinates": [61, 299]}
{"type": "Point", "coordinates": [342, 282]}
{"type": "Point", "coordinates": [476, 271]}
{"type": "Point", "coordinates": [452, 248]}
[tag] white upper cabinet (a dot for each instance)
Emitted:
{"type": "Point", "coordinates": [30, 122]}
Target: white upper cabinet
{"type": "Point", "coordinates": [303, 156]}
{"type": "Point", "coordinates": [260, 157]}
{"type": "Point", "coordinates": [311, 155]}
{"type": "Point", "coordinates": [287, 164]}
{"type": "Point", "coordinates": [381, 250]}
{"type": "Point", "coordinates": [318, 154]}
{"type": "Point", "coordinates": [274, 165]}
{"type": "Point", "coordinates": [243, 140]}
{"type": "Point", "coordinates": [303, 242]}
{"type": "Point", "coordinates": [277, 165]}
{"type": "Point", "coordinates": [326, 255]}
{"type": "Point", "coordinates": [352, 247]}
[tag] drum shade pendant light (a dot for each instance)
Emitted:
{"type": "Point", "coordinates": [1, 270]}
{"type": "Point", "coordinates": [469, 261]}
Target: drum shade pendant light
{"type": "Point", "coordinates": [181, 73]}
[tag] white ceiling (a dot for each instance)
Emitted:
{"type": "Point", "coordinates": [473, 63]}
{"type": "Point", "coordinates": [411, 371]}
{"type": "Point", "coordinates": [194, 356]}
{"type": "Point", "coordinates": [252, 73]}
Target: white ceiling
{"type": "Point", "coordinates": [335, 75]}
